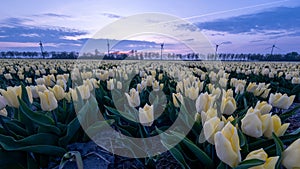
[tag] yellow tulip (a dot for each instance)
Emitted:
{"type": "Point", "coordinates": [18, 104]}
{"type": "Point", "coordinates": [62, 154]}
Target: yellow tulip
{"type": "Point", "coordinates": [228, 93]}
{"type": "Point", "coordinates": [84, 91]}
{"type": "Point", "coordinates": [281, 101]}
{"type": "Point", "coordinates": [251, 87]}
{"type": "Point", "coordinates": [139, 88]}
{"type": "Point", "coordinates": [227, 145]}
{"type": "Point", "coordinates": [146, 115]}
{"type": "Point", "coordinates": [133, 98]}
{"type": "Point", "coordinates": [28, 80]}
{"type": "Point", "coordinates": [48, 101]}
{"type": "Point", "coordinates": [263, 107]}
{"type": "Point", "coordinates": [228, 105]}
{"type": "Point", "coordinates": [265, 93]}
{"type": "Point", "coordinates": [239, 88]}
{"type": "Point", "coordinates": [192, 92]}
{"type": "Point", "coordinates": [73, 94]}
{"type": "Point", "coordinates": [204, 102]}
{"type": "Point", "coordinates": [155, 86]}
{"type": "Point", "coordinates": [210, 113]}
{"type": "Point", "coordinates": [58, 92]}
{"type": "Point", "coordinates": [40, 81]}
{"type": "Point", "coordinates": [11, 95]}
{"type": "Point", "coordinates": [175, 97]}
{"type": "Point", "coordinates": [251, 124]}
{"type": "Point", "coordinates": [8, 76]}
{"type": "Point", "coordinates": [260, 154]}
{"type": "Point", "coordinates": [276, 127]}
{"type": "Point", "coordinates": [290, 156]}
{"type": "Point", "coordinates": [296, 80]}
{"type": "Point", "coordinates": [110, 84]}
{"type": "Point", "coordinates": [223, 82]}
{"type": "Point", "coordinates": [210, 128]}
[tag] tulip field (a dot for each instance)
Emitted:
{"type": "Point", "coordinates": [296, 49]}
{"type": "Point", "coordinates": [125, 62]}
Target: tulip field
{"type": "Point", "coordinates": [205, 114]}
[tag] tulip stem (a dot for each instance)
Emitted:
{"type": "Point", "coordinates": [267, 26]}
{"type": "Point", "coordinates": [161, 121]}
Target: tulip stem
{"type": "Point", "coordinates": [212, 152]}
{"type": "Point", "coordinates": [54, 117]}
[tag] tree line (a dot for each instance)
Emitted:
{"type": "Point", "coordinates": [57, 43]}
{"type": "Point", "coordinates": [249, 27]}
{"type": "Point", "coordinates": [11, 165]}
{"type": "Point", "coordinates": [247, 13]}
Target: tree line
{"type": "Point", "coordinates": [292, 56]}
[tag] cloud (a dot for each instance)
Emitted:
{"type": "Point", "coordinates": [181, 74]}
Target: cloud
{"type": "Point", "coordinates": [187, 27]}
{"type": "Point", "coordinates": [55, 15]}
{"type": "Point", "coordinates": [111, 15]}
{"type": "Point", "coordinates": [281, 18]}
{"type": "Point", "coordinates": [30, 35]}
{"type": "Point", "coordinates": [12, 21]}
{"type": "Point", "coordinates": [15, 33]}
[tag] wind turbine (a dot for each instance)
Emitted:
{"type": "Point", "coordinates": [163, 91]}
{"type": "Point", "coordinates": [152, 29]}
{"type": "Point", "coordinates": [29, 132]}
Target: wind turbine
{"type": "Point", "coordinates": [161, 49]}
{"type": "Point", "coordinates": [217, 46]}
{"type": "Point", "coordinates": [42, 49]}
{"type": "Point", "coordinates": [272, 48]}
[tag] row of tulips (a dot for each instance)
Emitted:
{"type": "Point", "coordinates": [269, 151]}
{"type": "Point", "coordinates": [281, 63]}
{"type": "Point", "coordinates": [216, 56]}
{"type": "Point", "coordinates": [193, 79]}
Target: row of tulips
{"type": "Point", "coordinates": [234, 109]}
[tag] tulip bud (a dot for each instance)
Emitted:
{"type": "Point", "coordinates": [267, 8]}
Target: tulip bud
{"type": "Point", "coordinates": [296, 80]}
{"type": "Point", "coordinates": [133, 98]}
{"type": "Point", "coordinates": [11, 96]}
{"type": "Point", "coordinates": [28, 80]}
{"type": "Point", "coordinates": [239, 89]}
{"type": "Point", "coordinates": [260, 154]}
{"type": "Point", "coordinates": [210, 113]}
{"type": "Point", "coordinates": [58, 92]}
{"type": "Point", "coordinates": [84, 91]}
{"type": "Point", "coordinates": [210, 127]}
{"type": "Point", "coordinates": [73, 94]}
{"type": "Point", "coordinates": [290, 156]}
{"type": "Point", "coordinates": [119, 85]}
{"type": "Point", "coordinates": [161, 86]}
{"type": "Point", "coordinates": [146, 115]}
{"type": "Point", "coordinates": [204, 102]}
{"type": "Point", "coordinates": [288, 77]}
{"type": "Point", "coordinates": [48, 101]}
{"type": "Point", "coordinates": [160, 76]}
{"type": "Point", "coordinates": [251, 124]}
{"type": "Point", "coordinates": [8, 76]}
{"type": "Point", "coordinates": [110, 84]}
{"type": "Point", "coordinates": [223, 82]}
{"type": "Point", "coordinates": [263, 107]}
{"type": "Point", "coordinates": [276, 127]}
{"type": "Point", "coordinates": [175, 97]}
{"type": "Point", "coordinates": [192, 92]}
{"type": "Point", "coordinates": [251, 87]}
{"type": "Point", "coordinates": [281, 101]}
{"type": "Point", "coordinates": [227, 145]}
{"type": "Point", "coordinates": [155, 86]}
{"type": "Point", "coordinates": [266, 93]}
{"type": "Point", "coordinates": [139, 88]}
{"type": "Point", "coordinates": [228, 105]}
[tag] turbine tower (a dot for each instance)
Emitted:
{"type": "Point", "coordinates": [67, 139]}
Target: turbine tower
{"type": "Point", "coordinates": [42, 49]}
{"type": "Point", "coordinates": [107, 47]}
{"type": "Point", "coordinates": [161, 49]}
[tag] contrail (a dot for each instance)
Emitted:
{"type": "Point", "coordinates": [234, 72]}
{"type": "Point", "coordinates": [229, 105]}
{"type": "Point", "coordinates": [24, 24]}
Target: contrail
{"type": "Point", "coordinates": [225, 11]}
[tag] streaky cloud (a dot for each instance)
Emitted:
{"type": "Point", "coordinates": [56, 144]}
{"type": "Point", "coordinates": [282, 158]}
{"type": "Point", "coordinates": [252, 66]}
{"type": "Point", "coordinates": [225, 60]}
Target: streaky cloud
{"type": "Point", "coordinates": [281, 18]}
{"type": "Point", "coordinates": [111, 15]}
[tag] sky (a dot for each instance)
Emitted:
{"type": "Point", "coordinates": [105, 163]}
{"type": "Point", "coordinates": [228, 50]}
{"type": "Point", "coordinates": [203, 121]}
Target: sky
{"type": "Point", "coordinates": [246, 26]}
